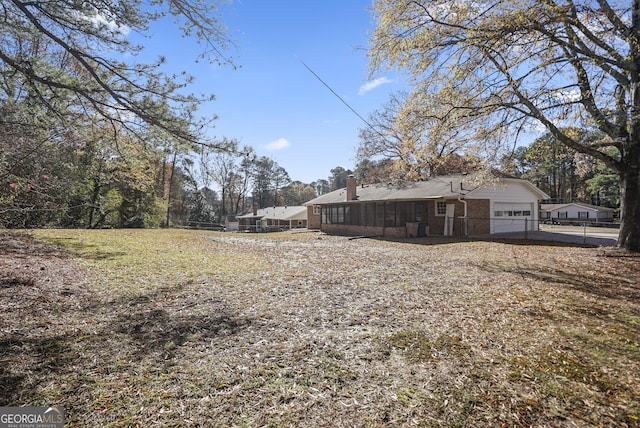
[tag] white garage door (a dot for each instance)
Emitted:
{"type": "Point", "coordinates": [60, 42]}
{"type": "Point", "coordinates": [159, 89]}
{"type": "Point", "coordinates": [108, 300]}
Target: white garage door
{"type": "Point", "coordinates": [511, 217]}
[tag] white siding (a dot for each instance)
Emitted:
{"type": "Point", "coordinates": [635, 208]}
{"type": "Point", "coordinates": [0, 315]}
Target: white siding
{"type": "Point", "coordinates": [573, 210]}
{"type": "Point", "coordinates": [509, 192]}
{"type": "Point", "coordinates": [501, 195]}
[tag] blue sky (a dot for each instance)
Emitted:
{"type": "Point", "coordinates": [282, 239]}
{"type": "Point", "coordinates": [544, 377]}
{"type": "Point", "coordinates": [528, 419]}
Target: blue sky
{"type": "Point", "coordinates": [272, 102]}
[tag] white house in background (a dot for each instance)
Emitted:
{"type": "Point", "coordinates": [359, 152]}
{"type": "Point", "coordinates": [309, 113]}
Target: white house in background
{"type": "Point", "coordinates": [575, 211]}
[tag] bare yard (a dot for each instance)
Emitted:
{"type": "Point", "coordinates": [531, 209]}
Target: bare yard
{"type": "Point", "coordinates": [186, 328]}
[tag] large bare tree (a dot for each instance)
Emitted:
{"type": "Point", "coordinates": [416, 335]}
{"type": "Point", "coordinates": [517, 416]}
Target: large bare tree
{"type": "Point", "coordinates": [504, 68]}
{"type": "Point", "coordinates": [417, 144]}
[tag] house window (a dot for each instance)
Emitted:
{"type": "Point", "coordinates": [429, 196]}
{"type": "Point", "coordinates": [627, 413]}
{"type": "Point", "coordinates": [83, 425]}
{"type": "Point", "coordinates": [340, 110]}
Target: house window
{"type": "Point", "coordinates": [336, 214]}
{"type": "Point", "coordinates": [352, 214]}
{"type": "Point", "coordinates": [562, 214]}
{"type": "Point", "coordinates": [379, 221]}
{"type": "Point", "coordinates": [364, 212]}
{"type": "Point", "coordinates": [390, 214]}
{"type": "Point", "coordinates": [583, 214]}
{"type": "Point", "coordinates": [316, 209]}
{"type": "Point", "coordinates": [441, 207]}
{"type": "Point", "coordinates": [420, 211]}
{"type": "Point", "coordinates": [401, 213]}
{"type": "Point", "coordinates": [371, 215]}
{"type": "Point", "coordinates": [517, 213]}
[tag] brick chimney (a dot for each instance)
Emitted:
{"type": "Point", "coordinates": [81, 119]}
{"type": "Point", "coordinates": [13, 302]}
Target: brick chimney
{"type": "Point", "coordinates": [351, 188]}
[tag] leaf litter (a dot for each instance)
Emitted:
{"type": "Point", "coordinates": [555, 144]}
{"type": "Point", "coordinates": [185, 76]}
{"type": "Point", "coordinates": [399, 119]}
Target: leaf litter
{"type": "Point", "coordinates": [186, 328]}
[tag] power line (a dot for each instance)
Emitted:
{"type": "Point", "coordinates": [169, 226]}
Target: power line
{"type": "Point", "coordinates": [336, 94]}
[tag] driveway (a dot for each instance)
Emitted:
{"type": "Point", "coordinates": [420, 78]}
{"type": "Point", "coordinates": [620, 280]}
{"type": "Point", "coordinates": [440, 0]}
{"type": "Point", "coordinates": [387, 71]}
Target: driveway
{"type": "Point", "coordinates": [573, 234]}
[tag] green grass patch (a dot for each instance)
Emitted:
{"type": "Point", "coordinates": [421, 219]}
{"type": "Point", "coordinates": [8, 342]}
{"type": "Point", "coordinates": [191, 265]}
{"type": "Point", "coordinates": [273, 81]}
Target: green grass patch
{"type": "Point", "coordinates": [417, 346]}
{"type": "Point", "coordinates": [136, 261]}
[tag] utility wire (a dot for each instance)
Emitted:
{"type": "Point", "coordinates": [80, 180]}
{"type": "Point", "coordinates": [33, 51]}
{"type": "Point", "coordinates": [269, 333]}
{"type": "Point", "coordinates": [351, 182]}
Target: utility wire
{"type": "Point", "coordinates": [336, 94]}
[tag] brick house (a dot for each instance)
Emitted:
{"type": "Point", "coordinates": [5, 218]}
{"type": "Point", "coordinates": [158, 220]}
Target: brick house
{"type": "Point", "coordinates": [459, 205]}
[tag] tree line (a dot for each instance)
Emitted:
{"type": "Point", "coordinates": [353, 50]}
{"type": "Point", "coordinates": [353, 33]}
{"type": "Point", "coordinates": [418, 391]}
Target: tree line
{"type": "Point", "coordinates": [83, 177]}
{"type": "Point", "coordinates": [86, 125]}
{"type": "Point", "coordinates": [566, 175]}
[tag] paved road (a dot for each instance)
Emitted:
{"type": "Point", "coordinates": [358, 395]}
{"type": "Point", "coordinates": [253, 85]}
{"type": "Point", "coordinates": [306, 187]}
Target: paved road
{"type": "Point", "coordinates": [577, 235]}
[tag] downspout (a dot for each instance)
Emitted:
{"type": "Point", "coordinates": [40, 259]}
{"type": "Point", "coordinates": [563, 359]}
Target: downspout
{"type": "Point", "coordinates": [460, 198]}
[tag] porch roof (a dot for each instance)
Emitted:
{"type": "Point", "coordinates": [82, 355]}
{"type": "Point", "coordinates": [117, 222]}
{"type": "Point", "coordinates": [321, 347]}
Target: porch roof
{"type": "Point", "coordinates": [296, 212]}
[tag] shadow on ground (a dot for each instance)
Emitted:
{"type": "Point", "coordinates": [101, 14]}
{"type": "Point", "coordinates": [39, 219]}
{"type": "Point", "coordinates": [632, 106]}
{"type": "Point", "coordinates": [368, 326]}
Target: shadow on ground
{"type": "Point", "coordinates": [532, 239]}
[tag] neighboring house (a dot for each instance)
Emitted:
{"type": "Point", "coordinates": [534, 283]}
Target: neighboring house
{"type": "Point", "coordinates": [273, 218]}
{"type": "Point", "coordinates": [446, 205]}
{"type": "Point", "coordinates": [575, 211]}
{"type": "Point", "coordinates": [231, 223]}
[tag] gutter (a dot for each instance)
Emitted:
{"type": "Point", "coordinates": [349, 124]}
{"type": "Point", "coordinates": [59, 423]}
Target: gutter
{"type": "Point", "coordinates": [461, 199]}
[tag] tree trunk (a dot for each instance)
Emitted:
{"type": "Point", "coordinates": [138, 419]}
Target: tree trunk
{"type": "Point", "coordinates": [173, 169]}
{"type": "Point", "coordinates": [95, 194]}
{"type": "Point", "coordinates": [223, 210]}
{"type": "Point", "coordinates": [629, 237]}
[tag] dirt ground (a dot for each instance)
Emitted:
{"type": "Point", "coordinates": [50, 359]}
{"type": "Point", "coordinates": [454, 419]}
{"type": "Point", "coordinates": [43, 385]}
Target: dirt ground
{"type": "Point", "coordinates": [174, 328]}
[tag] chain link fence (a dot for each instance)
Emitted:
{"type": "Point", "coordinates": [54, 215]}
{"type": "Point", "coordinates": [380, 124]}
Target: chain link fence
{"type": "Point", "coordinates": [576, 231]}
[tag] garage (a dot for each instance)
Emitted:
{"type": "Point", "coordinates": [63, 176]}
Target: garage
{"type": "Point", "coordinates": [512, 217]}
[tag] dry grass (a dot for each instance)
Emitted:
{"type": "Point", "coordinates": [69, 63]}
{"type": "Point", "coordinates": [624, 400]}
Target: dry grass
{"type": "Point", "coordinates": [185, 328]}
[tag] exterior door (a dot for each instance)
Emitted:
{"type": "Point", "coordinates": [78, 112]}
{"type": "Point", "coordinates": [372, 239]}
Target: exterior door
{"type": "Point", "coordinates": [449, 219]}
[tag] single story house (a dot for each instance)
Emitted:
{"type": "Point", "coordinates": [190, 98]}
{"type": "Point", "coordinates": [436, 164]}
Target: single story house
{"type": "Point", "coordinates": [575, 211]}
{"type": "Point", "coordinates": [461, 205]}
{"type": "Point", "coordinates": [273, 218]}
